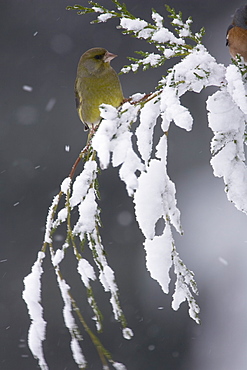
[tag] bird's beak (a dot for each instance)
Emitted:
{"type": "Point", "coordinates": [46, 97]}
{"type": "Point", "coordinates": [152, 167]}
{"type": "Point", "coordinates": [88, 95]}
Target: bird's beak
{"type": "Point", "coordinates": [108, 57]}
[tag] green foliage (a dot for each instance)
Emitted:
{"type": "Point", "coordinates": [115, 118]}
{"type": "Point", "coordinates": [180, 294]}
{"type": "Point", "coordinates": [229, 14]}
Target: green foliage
{"type": "Point", "coordinates": [98, 8]}
{"type": "Point", "coordinates": [173, 47]}
{"type": "Point", "coordinates": [241, 65]}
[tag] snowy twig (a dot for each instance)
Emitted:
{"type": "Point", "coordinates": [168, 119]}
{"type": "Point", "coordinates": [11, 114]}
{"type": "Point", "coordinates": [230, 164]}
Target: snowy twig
{"type": "Point", "coordinates": [84, 186]}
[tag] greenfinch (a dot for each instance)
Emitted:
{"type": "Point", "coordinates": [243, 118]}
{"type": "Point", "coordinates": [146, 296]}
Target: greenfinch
{"type": "Point", "coordinates": [96, 83]}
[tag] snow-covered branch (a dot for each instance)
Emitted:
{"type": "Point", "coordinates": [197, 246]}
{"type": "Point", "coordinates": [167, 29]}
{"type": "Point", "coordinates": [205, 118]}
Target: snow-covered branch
{"type": "Point", "coordinates": [143, 169]}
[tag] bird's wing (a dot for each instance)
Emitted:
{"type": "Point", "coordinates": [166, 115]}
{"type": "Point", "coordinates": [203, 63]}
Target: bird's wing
{"type": "Point", "coordinates": [77, 99]}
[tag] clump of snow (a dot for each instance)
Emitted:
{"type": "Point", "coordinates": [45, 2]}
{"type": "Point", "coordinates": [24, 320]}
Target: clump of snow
{"type": "Point", "coordinates": [61, 217]}
{"type": "Point", "coordinates": [177, 22]}
{"type": "Point", "coordinates": [118, 366]}
{"type": "Point", "coordinates": [163, 36]}
{"type": "Point", "coordinates": [152, 59]}
{"type": "Point", "coordinates": [133, 24]}
{"type": "Point", "coordinates": [137, 97]}
{"type": "Point", "coordinates": [155, 198]}
{"type": "Point", "coordinates": [126, 69]}
{"type": "Point", "coordinates": [144, 131]}
{"type": "Point", "coordinates": [127, 333]}
{"type": "Point", "coordinates": [107, 279]}
{"type": "Point", "coordinates": [134, 67]}
{"type": "Point", "coordinates": [106, 274]}
{"type": "Point", "coordinates": [127, 172]}
{"type": "Point", "coordinates": [77, 353]}
{"type": "Point", "coordinates": [104, 17]}
{"type": "Point", "coordinates": [70, 323]}
{"type": "Point", "coordinates": [65, 185]}
{"type": "Point", "coordinates": [148, 197]}
{"type": "Point", "coordinates": [120, 145]}
{"type": "Point", "coordinates": [227, 121]}
{"type": "Point", "coordinates": [49, 220]}
{"type": "Point", "coordinates": [172, 110]}
{"type": "Point", "coordinates": [158, 258]}
{"type": "Point", "coordinates": [168, 53]}
{"type": "Point", "coordinates": [97, 9]}
{"type": "Point", "coordinates": [158, 19]}
{"type": "Point", "coordinates": [114, 136]}
{"type": "Point", "coordinates": [145, 33]}
{"type": "Point", "coordinates": [196, 71]}
{"type": "Point", "coordinates": [88, 209]}
{"type": "Point", "coordinates": [185, 30]}
{"type": "Point", "coordinates": [185, 281]}
{"type": "Point", "coordinates": [82, 183]}
{"type": "Point", "coordinates": [86, 271]}
{"type": "Point", "coordinates": [58, 257]}
{"type": "Point", "coordinates": [236, 87]}
{"type": "Point", "coordinates": [32, 297]}
{"type": "Point", "coordinates": [222, 112]}
{"type": "Point", "coordinates": [102, 139]}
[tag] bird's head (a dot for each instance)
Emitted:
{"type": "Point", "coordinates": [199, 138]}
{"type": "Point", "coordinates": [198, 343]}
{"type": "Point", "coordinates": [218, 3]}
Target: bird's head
{"type": "Point", "coordinates": [95, 60]}
{"type": "Point", "coordinates": [240, 17]}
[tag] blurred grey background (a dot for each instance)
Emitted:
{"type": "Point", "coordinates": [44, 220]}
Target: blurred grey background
{"type": "Point", "coordinates": [41, 136]}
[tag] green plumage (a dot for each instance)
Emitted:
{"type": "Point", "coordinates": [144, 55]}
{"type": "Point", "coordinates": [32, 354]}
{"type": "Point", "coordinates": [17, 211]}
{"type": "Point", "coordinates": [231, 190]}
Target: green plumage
{"type": "Point", "coordinates": [96, 83]}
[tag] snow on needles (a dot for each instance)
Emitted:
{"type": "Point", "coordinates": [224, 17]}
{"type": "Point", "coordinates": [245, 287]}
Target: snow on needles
{"type": "Point", "coordinates": [88, 210]}
{"type": "Point", "coordinates": [196, 71]}
{"type": "Point", "coordinates": [155, 195]}
{"type": "Point", "coordinates": [158, 19]}
{"type": "Point", "coordinates": [142, 29]}
{"type": "Point", "coordinates": [83, 182]}
{"type": "Point", "coordinates": [236, 87]}
{"type": "Point", "coordinates": [49, 219]}
{"type": "Point", "coordinates": [114, 137]}
{"type": "Point", "coordinates": [86, 271]}
{"type": "Point", "coordinates": [144, 131]}
{"type": "Point", "coordinates": [32, 297]}
{"type": "Point", "coordinates": [158, 258]}
{"type": "Point", "coordinates": [135, 25]}
{"type": "Point", "coordinates": [227, 120]}
{"type": "Point", "coordinates": [70, 323]}
{"type": "Point", "coordinates": [154, 199]}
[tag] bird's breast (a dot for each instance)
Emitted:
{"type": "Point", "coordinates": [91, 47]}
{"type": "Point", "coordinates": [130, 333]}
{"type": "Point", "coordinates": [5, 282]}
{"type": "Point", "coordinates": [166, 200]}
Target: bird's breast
{"type": "Point", "coordinates": [237, 42]}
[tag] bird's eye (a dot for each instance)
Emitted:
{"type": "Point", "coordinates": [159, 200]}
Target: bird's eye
{"type": "Point", "coordinates": [98, 57]}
